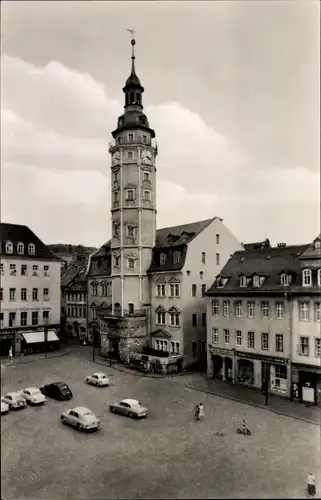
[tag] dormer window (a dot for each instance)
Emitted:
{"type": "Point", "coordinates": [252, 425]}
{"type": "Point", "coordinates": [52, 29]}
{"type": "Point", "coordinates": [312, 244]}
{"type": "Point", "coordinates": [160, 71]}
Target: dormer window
{"type": "Point", "coordinates": [319, 277]}
{"type": "Point", "coordinates": [256, 281]}
{"type": "Point", "coordinates": [20, 248]}
{"type": "Point", "coordinates": [162, 259]}
{"type": "Point", "coordinates": [306, 277]}
{"type": "Point", "coordinates": [285, 279]}
{"type": "Point", "coordinates": [317, 244]}
{"type": "Point", "coordinates": [31, 249]}
{"type": "Point", "coordinates": [219, 282]}
{"type": "Point", "coordinates": [9, 247]}
{"type": "Point", "coordinates": [243, 281]}
{"type": "Point", "coordinates": [176, 257]}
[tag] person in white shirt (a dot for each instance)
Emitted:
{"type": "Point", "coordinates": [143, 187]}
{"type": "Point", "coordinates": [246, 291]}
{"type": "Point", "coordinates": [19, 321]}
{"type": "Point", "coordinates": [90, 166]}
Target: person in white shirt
{"type": "Point", "coordinates": [10, 355]}
{"type": "Point", "coordinates": [311, 484]}
{"type": "Point", "coordinates": [201, 411]}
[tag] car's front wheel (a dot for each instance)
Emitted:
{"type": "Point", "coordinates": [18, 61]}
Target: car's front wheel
{"type": "Point", "coordinates": [131, 415]}
{"type": "Point", "coordinates": [112, 409]}
{"type": "Point", "coordinates": [63, 419]}
{"type": "Point", "coordinates": [78, 427]}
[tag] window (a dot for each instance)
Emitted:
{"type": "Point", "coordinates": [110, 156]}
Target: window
{"type": "Point", "coordinates": [194, 319]}
{"type": "Point", "coordinates": [251, 309]}
{"type": "Point", "coordinates": [116, 229]}
{"type": "Point", "coordinates": [317, 311]}
{"type": "Point", "coordinates": [201, 275]}
{"type": "Point", "coordinates": [243, 281]}
{"type": "Point", "coordinates": [280, 310]}
{"type": "Point", "coordinates": [162, 259]}
{"type": "Point", "coordinates": [13, 269]}
{"type": "Point", "coordinates": [175, 348]}
{"type": "Point", "coordinates": [34, 318]}
{"type": "Point", "coordinates": [217, 259]}
{"type": "Point", "coordinates": [215, 307]}
{"type": "Point", "coordinates": [174, 290]}
{"type": "Point", "coordinates": [238, 308]}
{"type": "Point", "coordinates": [131, 263]}
{"type": "Point", "coordinates": [130, 137]}
{"type": "Point", "coordinates": [304, 311]}
{"type": "Point", "coordinates": [203, 257]}
{"type": "Point", "coordinates": [23, 318]}
{"type": "Point", "coordinates": [317, 348]}
{"type": "Point", "coordinates": [35, 294]}
{"type": "Point", "coordinates": [226, 308]}
{"type": "Point", "coordinates": [160, 290]}
{"type": "Point", "coordinates": [12, 319]}
{"type": "Point", "coordinates": [31, 249]}
{"type": "Point", "coordinates": [265, 341]}
{"type": "Point", "coordinates": [256, 281]}
{"type": "Point", "coordinates": [188, 273]}
{"type": "Point", "coordinates": [176, 257]}
{"type": "Point", "coordinates": [131, 308]}
{"type": "Point", "coordinates": [306, 277]}
{"type": "Point", "coordinates": [104, 290]}
{"type": "Point", "coordinates": [226, 336]}
{"type": "Point", "coordinates": [238, 337]}
{"type": "Point", "coordinates": [24, 270]}
{"type": "Point", "coordinates": [174, 318]}
{"type": "Point", "coordinates": [46, 271]}
{"type": "Point", "coordinates": [35, 270]}
{"type": "Point", "coordinates": [265, 309]}
{"type": "Point", "coordinates": [144, 139]}
{"type": "Point", "coordinates": [130, 194]}
{"type": "Point", "coordinates": [94, 288]}
{"type": "Point", "coordinates": [1, 269]}
{"type": "Point", "coordinates": [45, 294]}
{"type": "Point", "coordinates": [217, 239]}
{"type": "Point", "coordinates": [285, 281]}
{"type": "Point", "coordinates": [94, 313]}
{"type": "Point", "coordinates": [280, 371]}
{"type": "Point", "coordinates": [12, 294]}
{"type": "Point", "coordinates": [116, 176]}
{"type": "Point", "coordinates": [203, 290]}
{"type": "Point", "coordinates": [279, 342]}
{"type": "Point", "coordinates": [130, 155]}
{"type": "Point", "coordinates": [250, 340]}
{"type": "Point", "coordinates": [130, 232]}
{"type": "Point", "coordinates": [23, 295]}
{"type": "Point", "coordinates": [116, 263]}
{"type": "Point", "coordinates": [115, 196]}
{"type": "Point", "coordinates": [20, 248]}
{"type": "Point", "coordinates": [304, 346]}
{"type": "Point", "coordinates": [1, 320]}
{"type": "Point", "coordinates": [161, 318]}
{"type": "Point", "coordinates": [146, 175]}
{"type": "Point", "coordinates": [215, 335]}
{"type": "Point", "coordinates": [9, 247]}
{"type": "Point", "coordinates": [161, 345]}
{"type": "Point", "coordinates": [203, 319]}
{"type": "Point", "coordinates": [194, 290]}
{"type": "Point", "coordinates": [147, 195]}
{"type": "Point", "coordinates": [1, 293]}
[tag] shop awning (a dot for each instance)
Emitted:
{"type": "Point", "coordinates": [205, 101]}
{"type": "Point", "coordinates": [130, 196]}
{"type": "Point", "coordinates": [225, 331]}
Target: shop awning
{"type": "Point", "coordinates": [39, 337]}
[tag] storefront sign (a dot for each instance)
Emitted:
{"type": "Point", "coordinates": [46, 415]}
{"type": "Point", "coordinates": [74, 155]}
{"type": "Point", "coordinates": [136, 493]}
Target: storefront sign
{"type": "Point", "coordinates": [5, 337]}
{"type": "Point", "coordinates": [217, 350]}
{"type": "Point", "coordinates": [267, 359]}
{"type": "Point", "coordinates": [308, 394]}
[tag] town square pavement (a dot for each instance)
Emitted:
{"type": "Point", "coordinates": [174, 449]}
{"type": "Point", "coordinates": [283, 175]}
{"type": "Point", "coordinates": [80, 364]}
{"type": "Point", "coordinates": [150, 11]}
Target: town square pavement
{"type": "Point", "coordinates": [168, 455]}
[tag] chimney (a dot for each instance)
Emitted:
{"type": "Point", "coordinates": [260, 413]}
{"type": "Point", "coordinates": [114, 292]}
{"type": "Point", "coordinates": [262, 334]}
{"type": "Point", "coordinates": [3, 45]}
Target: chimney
{"type": "Point", "coordinates": [281, 245]}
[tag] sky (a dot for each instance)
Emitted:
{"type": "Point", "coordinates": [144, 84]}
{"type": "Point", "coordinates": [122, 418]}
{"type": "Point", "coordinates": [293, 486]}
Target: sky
{"type": "Point", "coordinates": [232, 90]}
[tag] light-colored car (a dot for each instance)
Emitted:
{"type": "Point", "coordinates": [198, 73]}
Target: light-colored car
{"type": "Point", "coordinates": [14, 400]}
{"type": "Point", "coordinates": [4, 408]}
{"type": "Point", "coordinates": [33, 396]}
{"type": "Point", "coordinates": [98, 379]}
{"type": "Point", "coordinates": [80, 417]}
{"type": "Point", "coordinates": [130, 408]}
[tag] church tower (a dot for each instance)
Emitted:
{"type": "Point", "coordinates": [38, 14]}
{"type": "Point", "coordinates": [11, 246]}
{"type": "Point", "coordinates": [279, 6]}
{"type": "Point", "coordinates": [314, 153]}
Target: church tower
{"type": "Point", "coordinates": [133, 205]}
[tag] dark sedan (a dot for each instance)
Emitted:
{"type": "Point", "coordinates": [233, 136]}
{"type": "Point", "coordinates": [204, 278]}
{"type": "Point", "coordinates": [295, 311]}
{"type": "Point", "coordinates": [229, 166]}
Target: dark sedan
{"type": "Point", "coordinates": [57, 390]}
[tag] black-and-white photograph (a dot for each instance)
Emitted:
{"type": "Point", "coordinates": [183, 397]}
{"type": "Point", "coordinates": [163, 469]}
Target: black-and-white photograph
{"type": "Point", "coordinates": [160, 248]}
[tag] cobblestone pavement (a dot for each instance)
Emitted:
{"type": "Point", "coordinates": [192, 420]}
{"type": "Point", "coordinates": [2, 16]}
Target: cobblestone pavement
{"type": "Point", "coordinates": [168, 455]}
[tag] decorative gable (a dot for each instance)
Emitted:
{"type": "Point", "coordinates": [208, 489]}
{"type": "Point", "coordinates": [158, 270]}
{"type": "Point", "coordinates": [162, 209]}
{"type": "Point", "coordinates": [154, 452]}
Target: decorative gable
{"type": "Point", "coordinates": [161, 333]}
{"type": "Point", "coordinates": [130, 223]}
{"type": "Point", "coordinates": [93, 305]}
{"type": "Point", "coordinates": [174, 309]}
{"type": "Point", "coordinates": [161, 279]}
{"type": "Point", "coordinates": [131, 256]}
{"type": "Point", "coordinates": [174, 279]}
{"type": "Point", "coordinates": [160, 309]}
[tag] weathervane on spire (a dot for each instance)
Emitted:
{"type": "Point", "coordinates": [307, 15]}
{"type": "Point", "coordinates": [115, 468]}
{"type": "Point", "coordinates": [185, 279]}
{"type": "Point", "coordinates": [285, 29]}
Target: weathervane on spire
{"type": "Point", "coordinates": [133, 41]}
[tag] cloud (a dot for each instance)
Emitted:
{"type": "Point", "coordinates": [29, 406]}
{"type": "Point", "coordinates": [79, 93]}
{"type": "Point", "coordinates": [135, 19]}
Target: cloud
{"type": "Point", "coordinates": [56, 125]}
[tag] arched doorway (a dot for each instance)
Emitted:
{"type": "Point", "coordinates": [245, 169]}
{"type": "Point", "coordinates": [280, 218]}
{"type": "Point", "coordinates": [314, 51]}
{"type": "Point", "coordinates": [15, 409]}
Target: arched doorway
{"type": "Point", "coordinates": [245, 371]}
{"type": "Point", "coordinates": [218, 367]}
{"type": "Point", "coordinates": [228, 369]}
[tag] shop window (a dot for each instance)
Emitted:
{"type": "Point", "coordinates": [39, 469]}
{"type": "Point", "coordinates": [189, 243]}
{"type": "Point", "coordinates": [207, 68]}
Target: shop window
{"type": "Point", "coordinates": [280, 371]}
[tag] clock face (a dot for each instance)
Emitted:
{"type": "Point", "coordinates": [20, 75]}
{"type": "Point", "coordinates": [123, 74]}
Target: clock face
{"type": "Point", "coordinates": [147, 156]}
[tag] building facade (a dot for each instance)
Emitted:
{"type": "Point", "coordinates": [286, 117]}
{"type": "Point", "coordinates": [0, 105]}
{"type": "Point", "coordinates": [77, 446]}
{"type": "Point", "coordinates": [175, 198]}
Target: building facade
{"type": "Point", "coordinates": [30, 288]}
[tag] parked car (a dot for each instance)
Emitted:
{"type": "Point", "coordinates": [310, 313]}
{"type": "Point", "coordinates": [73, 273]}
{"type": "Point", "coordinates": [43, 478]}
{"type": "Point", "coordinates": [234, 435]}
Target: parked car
{"type": "Point", "coordinates": [4, 408]}
{"type": "Point", "coordinates": [98, 379]}
{"type": "Point", "coordinates": [130, 408]}
{"type": "Point", "coordinates": [57, 390]}
{"type": "Point", "coordinates": [80, 417]}
{"type": "Point", "coordinates": [14, 400]}
{"type": "Point", "coordinates": [33, 396]}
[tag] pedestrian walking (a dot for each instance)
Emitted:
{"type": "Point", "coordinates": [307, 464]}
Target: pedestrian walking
{"type": "Point", "coordinates": [311, 484]}
{"type": "Point", "coordinates": [197, 412]}
{"type": "Point", "coordinates": [201, 411]}
{"type": "Point", "coordinates": [10, 355]}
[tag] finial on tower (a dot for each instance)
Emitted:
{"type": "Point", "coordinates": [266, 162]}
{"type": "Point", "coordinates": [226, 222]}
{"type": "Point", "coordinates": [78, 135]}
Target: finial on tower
{"type": "Point", "coordinates": [133, 41]}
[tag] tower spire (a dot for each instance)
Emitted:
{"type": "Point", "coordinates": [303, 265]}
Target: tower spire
{"type": "Point", "coordinates": [133, 43]}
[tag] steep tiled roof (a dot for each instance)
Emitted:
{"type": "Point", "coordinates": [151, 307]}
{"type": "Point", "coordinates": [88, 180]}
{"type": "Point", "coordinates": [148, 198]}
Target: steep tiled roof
{"type": "Point", "coordinates": [257, 245]}
{"type": "Point", "coordinates": [100, 264]}
{"type": "Point", "coordinates": [169, 264]}
{"type": "Point", "coordinates": [269, 263]}
{"type": "Point", "coordinates": [311, 252]}
{"type": "Point", "coordinates": [184, 233]}
{"type": "Point", "coordinates": [75, 271]}
{"type": "Point", "coordinates": [22, 234]}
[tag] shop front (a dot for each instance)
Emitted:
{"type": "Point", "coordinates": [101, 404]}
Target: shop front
{"type": "Point", "coordinates": [222, 361]}
{"type": "Point", "coordinates": [307, 383]}
{"type": "Point", "coordinates": [39, 341]}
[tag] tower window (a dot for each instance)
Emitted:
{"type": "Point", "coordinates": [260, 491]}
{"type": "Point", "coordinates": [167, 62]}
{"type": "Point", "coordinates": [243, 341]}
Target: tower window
{"type": "Point", "coordinates": [130, 195]}
{"type": "Point", "coordinates": [130, 155]}
{"type": "Point", "coordinates": [146, 195]}
{"type": "Point", "coordinates": [130, 137]}
{"type": "Point", "coordinates": [132, 97]}
{"type": "Point", "coordinates": [116, 260]}
{"type": "Point", "coordinates": [115, 196]}
{"type": "Point", "coordinates": [130, 232]}
{"type": "Point", "coordinates": [144, 139]}
{"type": "Point", "coordinates": [146, 175]}
{"type": "Point", "coordinates": [131, 263]}
{"type": "Point", "coordinates": [116, 177]}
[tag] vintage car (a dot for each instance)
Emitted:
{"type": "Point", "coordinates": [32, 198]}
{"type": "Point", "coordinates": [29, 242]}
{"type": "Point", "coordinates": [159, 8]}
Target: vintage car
{"type": "Point", "coordinates": [57, 390]}
{"type": "Point", "coordinates": [80, 417]}
{"type": "Point", "coordinates": [33, 396]}
{"type": "Point", "coordinates": [14, 400]}
{"type": "Point", "coordinates": [130, 408]}
{"type": "Point", "coordinates": [4, 408]}
{"type": "Point", "coordinates": [98, 379]}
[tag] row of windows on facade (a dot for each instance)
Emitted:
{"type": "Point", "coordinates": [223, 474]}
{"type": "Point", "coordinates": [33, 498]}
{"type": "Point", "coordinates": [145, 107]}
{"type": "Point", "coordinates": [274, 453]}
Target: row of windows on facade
{"type": "Point", "coordinates": [130, 137]}
{"type": "Point", "coordinates": [24, 294]}
{"type": "Point", "coordinates": [285, 280]}
{"type": "Point", "coordinates": [173, 290]}
{"type": "Point", "coordinates": [174, 318]}
{"type": "Point", "coordinates": [130, 195]}
{"type": "Point", "coordinates": [131, 231]}
{"type": "Point", "coordinates": [76, 312]}
{"type": "Point", "coordinates": [105, 289]}
{"type": "Point", "coordinates": [76, 297]}
{"type": "Point", "coordinates": [303, 347]}
{"type": "Point", "coordinates": [164, 345]}
{"type": "Point", "coordinates": [265, 310]}
{"type": "Point", "coordinates": [24, 318]}
{"type": "Point", "coordinates": [146, 176]}
{"type": "Point", "coordinates": [177, 256]}
{"type": "Point", "coordinates": [20, 248]}
{"type": "Point", "coordinates": [13, 270]}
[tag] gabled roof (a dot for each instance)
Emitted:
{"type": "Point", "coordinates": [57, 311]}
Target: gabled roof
{"type": "Point", "coordinates": [75, 271]}
{"type": "Point", "coordinates": [184, 233]}
{"type": "Point", "coordinates": [17, 233]}
{"type": "Point", "coordinates": [168, 252]}
{"type": "Point", "coordinates": [257, 245]}
{"type": "Point", "coordinates": [269, 263]}
{"type": "Point", "coordinates": [311, 252]}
